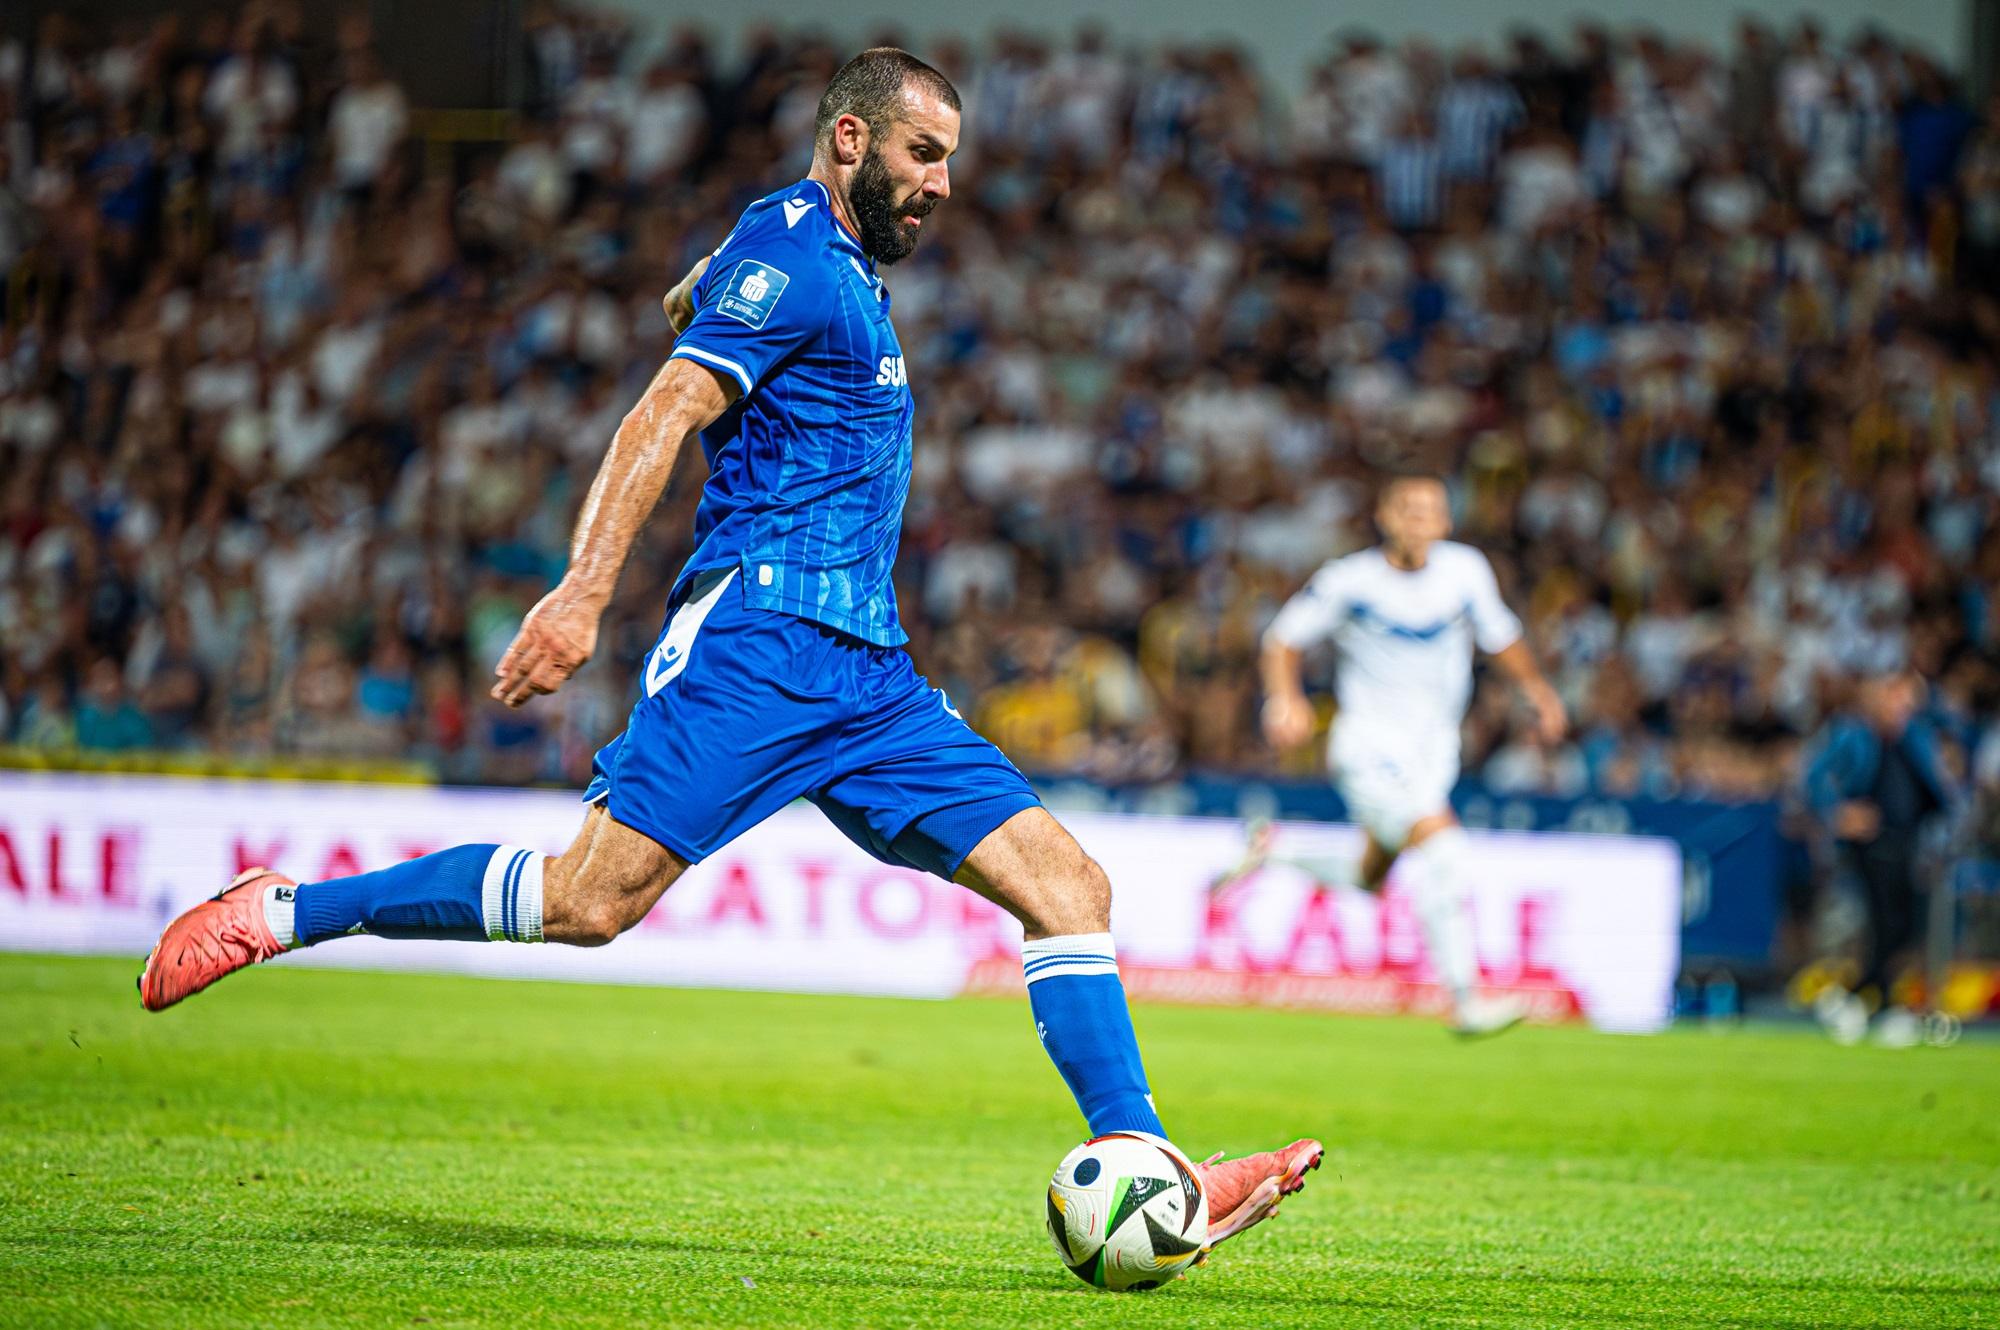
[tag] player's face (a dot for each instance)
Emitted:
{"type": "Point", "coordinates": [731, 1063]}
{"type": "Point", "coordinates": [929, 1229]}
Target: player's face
{"type": "Point", "coordinates": [903, 176]}
{"type": "Point", "coordinates": [1890, 702]}
{"type": "Point", "coordinates": [1413, 516]}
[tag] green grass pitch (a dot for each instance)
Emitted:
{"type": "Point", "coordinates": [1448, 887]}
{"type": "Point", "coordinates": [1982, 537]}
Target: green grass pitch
{"type": "Point", "coordinates": [314, 1148]}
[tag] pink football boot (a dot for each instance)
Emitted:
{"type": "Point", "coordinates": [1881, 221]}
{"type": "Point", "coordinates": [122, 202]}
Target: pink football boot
{"type": "Point", "coordinates": [216, 937]}
{"type": "Point", "coordinates": [1246, 1191]}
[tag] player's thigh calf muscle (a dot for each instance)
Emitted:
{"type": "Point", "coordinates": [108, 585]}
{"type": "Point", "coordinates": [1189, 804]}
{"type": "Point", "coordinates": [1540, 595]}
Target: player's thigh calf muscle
{"type": "Point", "coordinates": [1034, 869]}
{"type": "Point", "coordinates": [605, 882]}
{"type": "Point", "coordinates": [1375, 863]}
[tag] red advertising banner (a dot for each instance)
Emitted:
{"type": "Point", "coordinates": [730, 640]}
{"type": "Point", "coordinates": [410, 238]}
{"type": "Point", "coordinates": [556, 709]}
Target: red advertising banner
{"type": "Point", "coordinates": [1582, 925]}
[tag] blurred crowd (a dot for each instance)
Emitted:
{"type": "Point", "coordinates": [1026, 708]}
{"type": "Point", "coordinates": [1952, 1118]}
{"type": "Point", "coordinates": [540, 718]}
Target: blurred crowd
{"type": "Point", "coordinates": [299, 390]}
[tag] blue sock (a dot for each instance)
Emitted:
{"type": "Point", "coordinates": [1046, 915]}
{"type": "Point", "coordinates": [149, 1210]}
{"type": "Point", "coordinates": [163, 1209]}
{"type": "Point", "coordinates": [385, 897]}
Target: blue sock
{"type": "Point", "coordinates": [1079, 1007]}
{"type": "Point", "coordinates": [472, 893]}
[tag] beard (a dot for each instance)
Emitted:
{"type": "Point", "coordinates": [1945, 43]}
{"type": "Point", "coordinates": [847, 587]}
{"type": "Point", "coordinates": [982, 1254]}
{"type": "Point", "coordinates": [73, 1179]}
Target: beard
{"type": "Point", "coordinates": [887, 234]}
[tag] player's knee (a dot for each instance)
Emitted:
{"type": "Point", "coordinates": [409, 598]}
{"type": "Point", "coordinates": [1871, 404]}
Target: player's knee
{"type": "Point", "coordinates": [595, 927]}
{"type": "Point", "coordinates": [583, 920]}
{"type": "Point", "coordinates": [1097, 895]}
{"type": "Point", "coordinates": [1084, 903]}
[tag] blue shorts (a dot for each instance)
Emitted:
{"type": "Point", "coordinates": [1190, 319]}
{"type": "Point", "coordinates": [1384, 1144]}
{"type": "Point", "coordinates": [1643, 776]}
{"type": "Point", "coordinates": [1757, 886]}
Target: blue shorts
{"type": "Point", "coordinates": [746, 710]}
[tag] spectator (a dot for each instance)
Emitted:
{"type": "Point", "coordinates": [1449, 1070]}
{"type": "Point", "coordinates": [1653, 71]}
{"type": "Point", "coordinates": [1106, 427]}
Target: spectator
{"type": "Point", "coordinates": [1874, 778]}
{"type": "Point", "coordinates": [107, 719]}
{"type": "Point", "coordinates": [1377, 94]}
{"type": "Point", "coordinates": [366, 122]}
{"type": "Point", "coordinates": [1539, 183]}
{"type": "Point", "coordinates": [1931, 130]}
{"type": "Point", "coordinates": [1411, 169]}
{"type": "Point", "coordinates": [251, 92]}
{"type": "Point", "coordinates": [1805, 78]}
{"type": "Point", "coordinates": [1711, 392]}
{"type": "Point", "coordinates": [1475, 112]}
{"type": "Point", "coordinates": [1840, 145]}
{"type": "Point", "coordinates": [387, 688]}
{"type": "Point", "coordinates": [666, 125]}
{"type": "Point", "coordinates": [46, 722]}
{"type": "Point", "coordinates": [170, 680]}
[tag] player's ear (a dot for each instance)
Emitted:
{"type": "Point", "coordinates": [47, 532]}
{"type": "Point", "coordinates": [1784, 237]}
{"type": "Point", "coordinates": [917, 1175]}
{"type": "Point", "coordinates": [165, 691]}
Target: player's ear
{"type": "Point", "coordinates": [850, 139]}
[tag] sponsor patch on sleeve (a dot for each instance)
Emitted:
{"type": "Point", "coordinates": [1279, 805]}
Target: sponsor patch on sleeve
{"type": "Point", "coordinates": [752, 292]}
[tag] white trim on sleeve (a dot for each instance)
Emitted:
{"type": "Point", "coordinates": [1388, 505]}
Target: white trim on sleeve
{"type": "Point", "coordinates": [720, 362]}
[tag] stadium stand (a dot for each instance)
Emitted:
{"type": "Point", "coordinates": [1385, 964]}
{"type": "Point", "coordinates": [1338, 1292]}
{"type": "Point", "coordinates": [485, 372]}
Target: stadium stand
{"type": "Point", "coordinates": [299, 385]}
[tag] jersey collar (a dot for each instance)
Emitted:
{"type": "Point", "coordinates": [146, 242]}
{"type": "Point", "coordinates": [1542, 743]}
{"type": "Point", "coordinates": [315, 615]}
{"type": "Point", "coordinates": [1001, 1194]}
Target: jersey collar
{"type": "Point", "coordinates": [840, 235]}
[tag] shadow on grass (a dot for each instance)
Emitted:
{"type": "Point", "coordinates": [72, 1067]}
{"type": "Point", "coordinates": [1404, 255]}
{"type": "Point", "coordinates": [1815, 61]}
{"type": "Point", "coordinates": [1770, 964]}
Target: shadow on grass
{"type": "Point", "coordinates": [842, 1264]}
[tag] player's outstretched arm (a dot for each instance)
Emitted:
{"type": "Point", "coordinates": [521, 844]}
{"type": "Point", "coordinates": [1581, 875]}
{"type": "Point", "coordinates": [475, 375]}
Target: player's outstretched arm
{"type": "Point", "coordinates": [560, 633]}
{"type": "Point", "coordinates": [1307, 618]}
{"type": "Point", "coordinates": [1518, 663]}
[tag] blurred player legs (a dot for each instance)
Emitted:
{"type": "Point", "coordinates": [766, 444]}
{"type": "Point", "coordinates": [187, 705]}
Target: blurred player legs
{"type": "Point", "coordinates": [1397, 786]}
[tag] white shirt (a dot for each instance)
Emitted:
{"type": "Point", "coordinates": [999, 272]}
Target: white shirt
{"type": "Point", "coordinates": [1405, 638]}
{"type": "Point", "coordinates": [366, 124]}
{"type": "Point", "coordinates": [663, 131]}
{"type": "Point", "coordinates": [245, 95]}
{"type": "Point", "coordinates": [342, 357]}
{"type": "Point", "coordinates": [301, 431]}
{"type": "Point", "coordinates": [1536, 182]}
{"type": "Point", "coordinates": [1376, 92]}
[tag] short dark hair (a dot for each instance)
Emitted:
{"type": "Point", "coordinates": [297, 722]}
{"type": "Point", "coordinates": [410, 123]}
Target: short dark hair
{"type": "Point", "coordinates": [1391, 481]}
{"type": "Point", "coordinates": [871, 86]}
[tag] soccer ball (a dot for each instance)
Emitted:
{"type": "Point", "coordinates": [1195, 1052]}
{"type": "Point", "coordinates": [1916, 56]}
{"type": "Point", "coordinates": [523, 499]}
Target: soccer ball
{"type": "Point", "coordinates": [1127, 1212]}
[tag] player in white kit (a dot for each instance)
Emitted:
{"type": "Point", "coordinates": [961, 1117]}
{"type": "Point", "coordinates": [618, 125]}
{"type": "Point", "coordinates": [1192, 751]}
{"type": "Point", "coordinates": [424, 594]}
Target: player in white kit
{"type": "Point", "coordinates": [1405, 617]}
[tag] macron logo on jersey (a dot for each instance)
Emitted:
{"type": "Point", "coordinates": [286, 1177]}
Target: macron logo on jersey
{"type": "Point", "coordinates": [795, 209]}
{"type": "Point", "coordinates": [752, 292]}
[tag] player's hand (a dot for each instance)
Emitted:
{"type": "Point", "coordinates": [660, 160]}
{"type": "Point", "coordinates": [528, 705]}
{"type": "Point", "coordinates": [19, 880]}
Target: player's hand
{"type": "Point", "coordinates": [1857, 820]}
{"type": "Point", "coordinates": [1551, 721]}
{"type": "Point", "coordinates": [679, 302]}
{"type": "Point", "coordinates": [1288, 720]}
{"type": "Point", "coordinates": [555, 640]}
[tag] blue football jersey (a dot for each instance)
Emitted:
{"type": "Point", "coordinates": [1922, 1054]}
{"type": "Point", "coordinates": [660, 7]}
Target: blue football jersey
{"type": "Point", "coordinates": [810, 468]}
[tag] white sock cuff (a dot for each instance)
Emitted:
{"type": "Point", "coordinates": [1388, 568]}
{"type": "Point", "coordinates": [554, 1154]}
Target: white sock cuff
{"type": "Point", "coordinates": [1074, 954]}
{"type": "Point", "coordinates": [280, 912]}
{"type": "Point", "coordinates": [510, 897]}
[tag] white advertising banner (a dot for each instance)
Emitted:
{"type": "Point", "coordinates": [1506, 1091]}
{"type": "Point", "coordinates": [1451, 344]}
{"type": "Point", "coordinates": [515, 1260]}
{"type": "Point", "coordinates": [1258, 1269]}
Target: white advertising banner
{"type": "Point", "coordinates": [1583, 925]}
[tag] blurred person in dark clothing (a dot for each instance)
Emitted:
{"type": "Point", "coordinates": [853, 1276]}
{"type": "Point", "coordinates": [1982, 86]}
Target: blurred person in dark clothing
{"type": "Point", "coordinates": [107, 718]}
{"type": "Point", "coordinates": [1874, 775]}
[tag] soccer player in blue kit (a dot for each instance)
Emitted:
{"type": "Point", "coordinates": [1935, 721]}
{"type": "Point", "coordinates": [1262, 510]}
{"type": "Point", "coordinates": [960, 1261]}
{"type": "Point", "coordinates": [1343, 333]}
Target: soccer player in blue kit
{"type": "Point", "coordinates": [780, 673]}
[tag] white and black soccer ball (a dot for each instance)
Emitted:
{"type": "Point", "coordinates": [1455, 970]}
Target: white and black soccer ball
{"type": "Point", "coordinates": [1127, 1211]}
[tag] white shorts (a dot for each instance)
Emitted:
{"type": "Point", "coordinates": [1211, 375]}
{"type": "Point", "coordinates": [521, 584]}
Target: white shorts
{"type": "Point", "coordinates": [1391, 781]}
